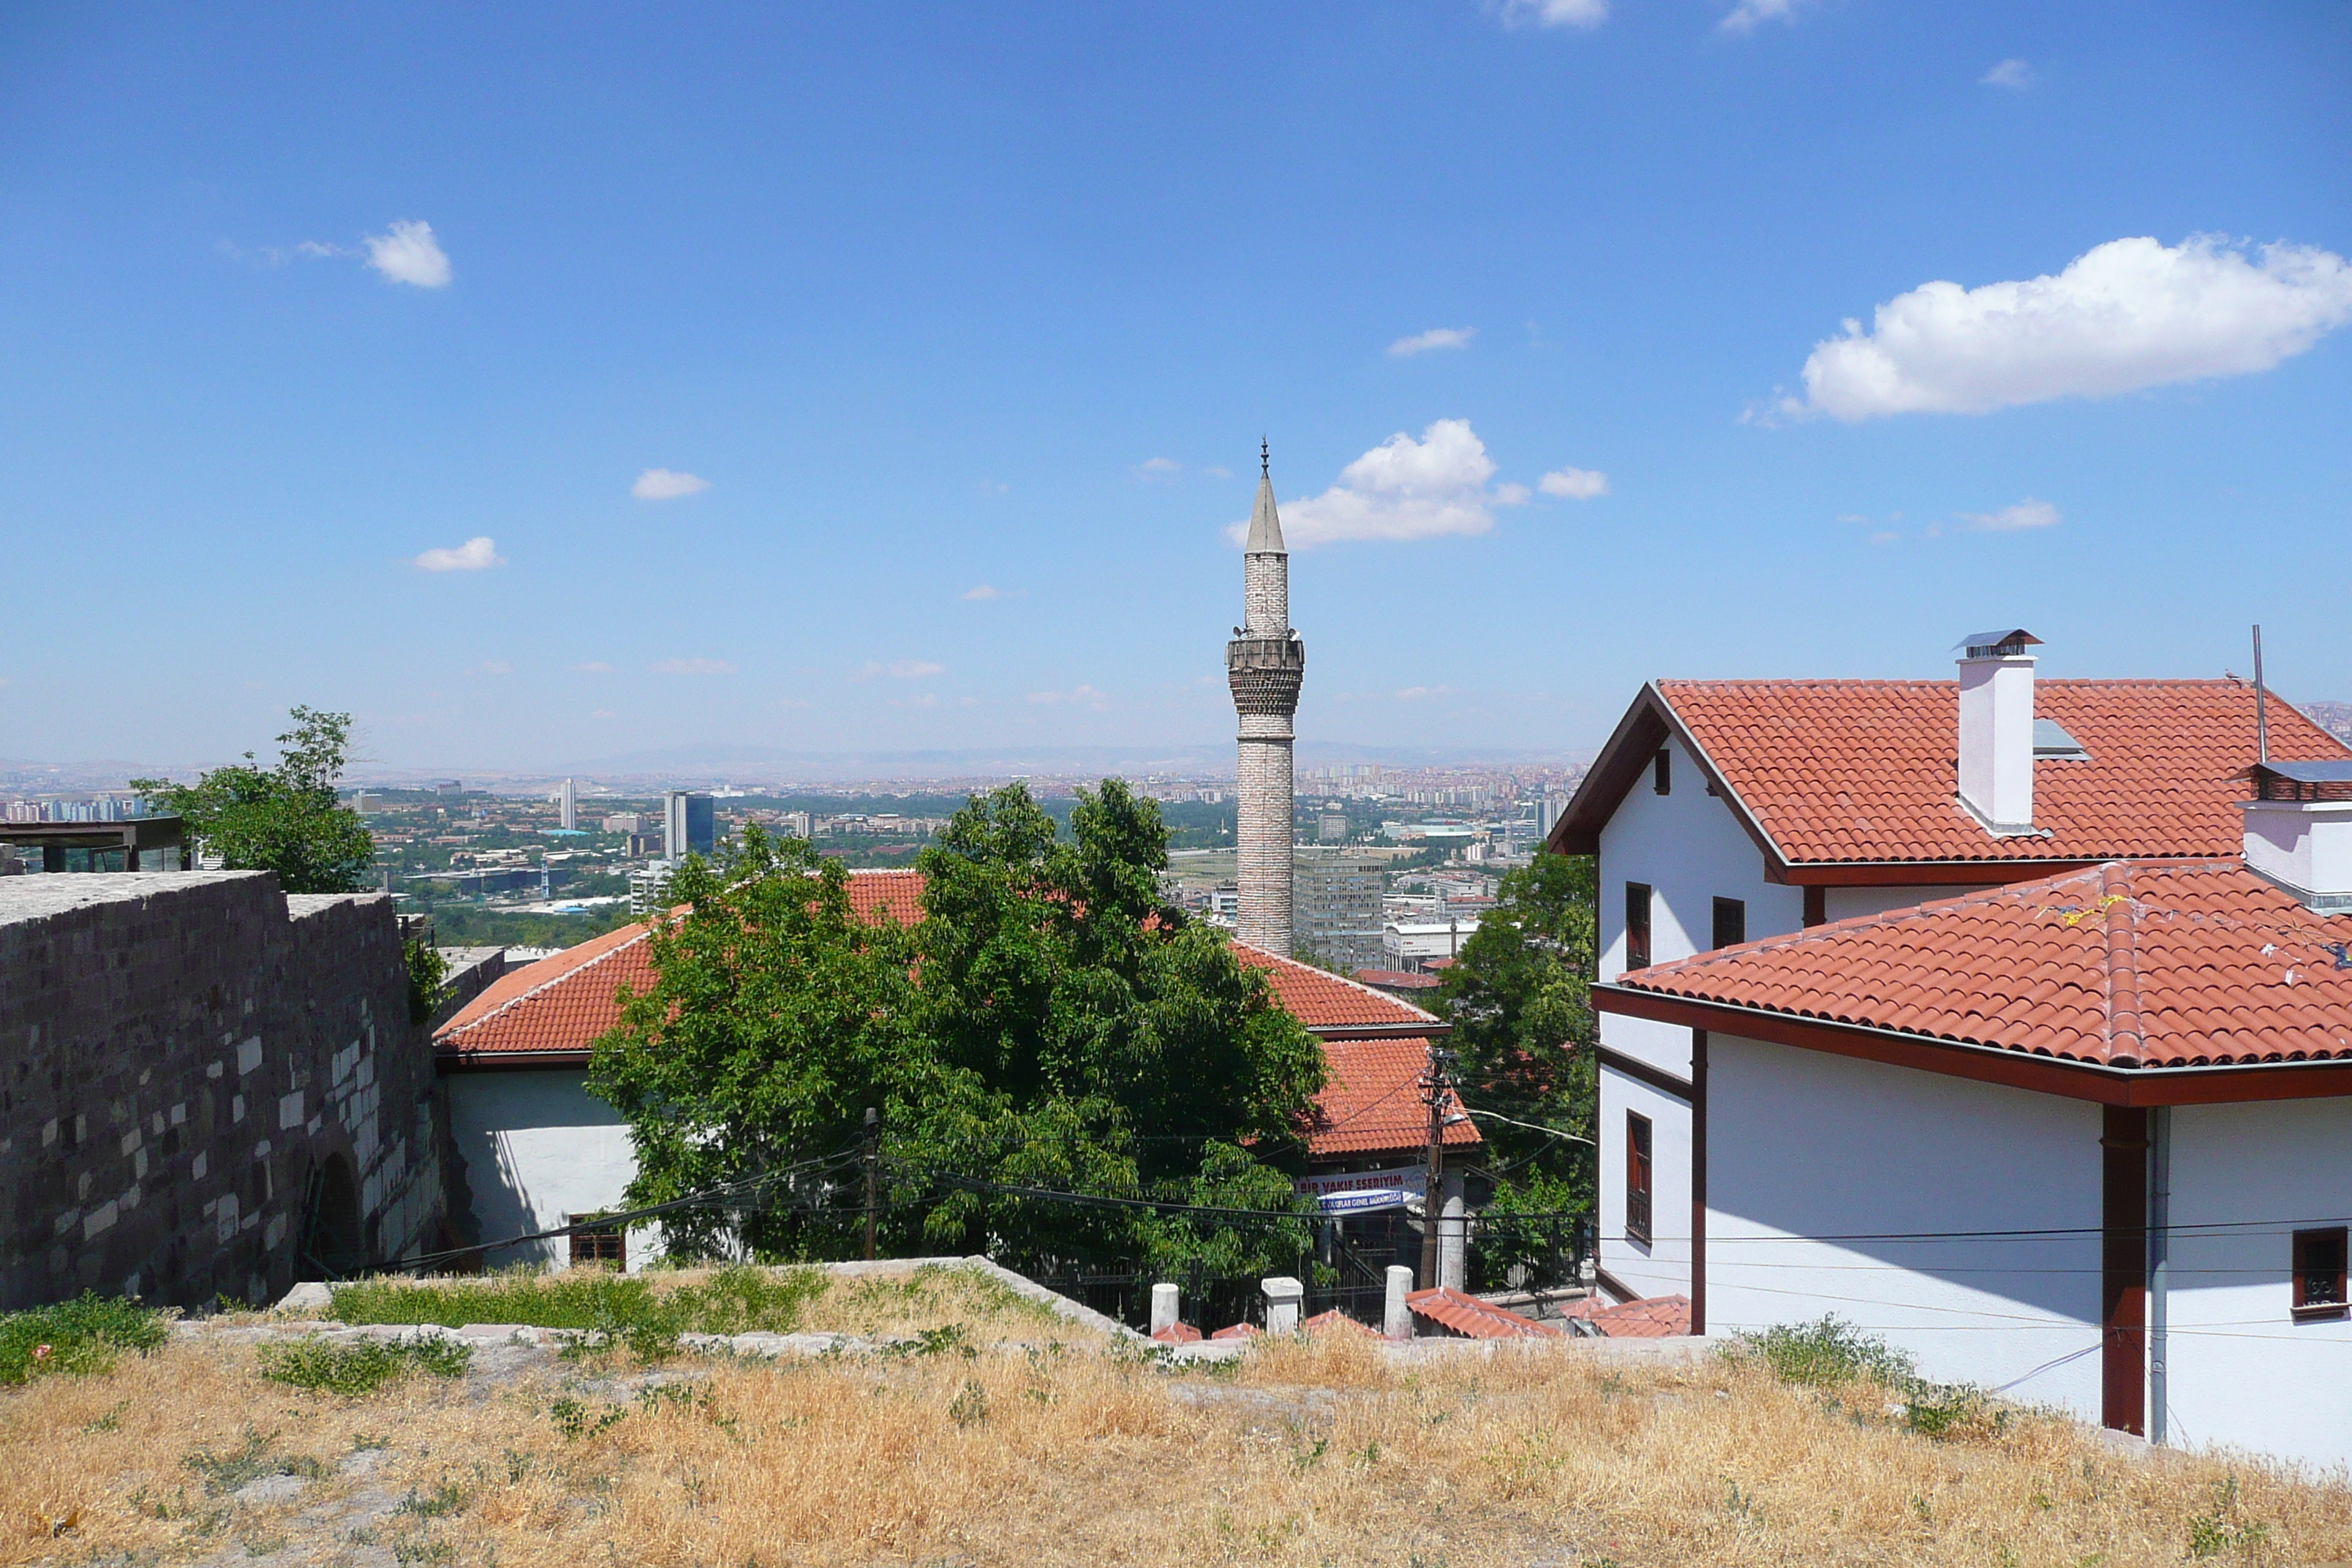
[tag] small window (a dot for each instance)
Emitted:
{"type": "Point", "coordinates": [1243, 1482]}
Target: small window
{"type": "Point", "coordinates": [597, 1243]}
{"type": "Point", "coordinates": [1731, 921]}
{"type": "Point", "coordinates": [1637, 925]}
{"type": "Point", "coordinates": [1637, 1176]}
{"type": "Point", "coordinates": [2319, 1273]}
{"type": "Point", "coordinates": [1662, 771]}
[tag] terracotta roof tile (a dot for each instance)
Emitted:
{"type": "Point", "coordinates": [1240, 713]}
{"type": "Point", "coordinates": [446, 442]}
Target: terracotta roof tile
{"type": "Point", "coordinates": [1467, 1315]}
{"type": "Point", "coordinates": [1336, 1321]}
{"type": "Point", "coordinates": [1867, 770]}
{"type": "Point", "coordinates": [1650, 1317]}
{"type": "Point", "coordinates": [1372, 1101]}
{"type": "Point", "coordinates": [1178, 1334]}
{"type": "Point", "coordinates": [2125, 965]}
{"type": "Point", "coordinates": [1238, 1331]}
{"type": "Point", "coordinates": [1322, 1000]}
{"type": "Point", "coordinates": [559, 1004]}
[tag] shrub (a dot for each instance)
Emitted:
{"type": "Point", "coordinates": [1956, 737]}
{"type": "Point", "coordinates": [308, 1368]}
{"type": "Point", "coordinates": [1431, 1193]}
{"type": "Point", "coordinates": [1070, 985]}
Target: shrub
{"type": "Point", "coordinates": [1828, 1352]}
{"type": "Point", "coordinates": [81, 1336]}
{"type": "Point", "coordinates": [361, 1366]}
{"type": "Point", "coordinates": [224, 1473]}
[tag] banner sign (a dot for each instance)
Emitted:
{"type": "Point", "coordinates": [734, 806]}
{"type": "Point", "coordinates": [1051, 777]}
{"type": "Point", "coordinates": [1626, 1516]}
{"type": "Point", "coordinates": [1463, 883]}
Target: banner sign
{"type": "Point", "coordinates": [1360, 1192]}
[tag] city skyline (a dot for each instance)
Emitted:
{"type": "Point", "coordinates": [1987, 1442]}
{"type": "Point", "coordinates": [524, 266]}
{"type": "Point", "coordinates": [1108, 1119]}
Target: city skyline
{"type": "Point", "coordinates": [545, 390]}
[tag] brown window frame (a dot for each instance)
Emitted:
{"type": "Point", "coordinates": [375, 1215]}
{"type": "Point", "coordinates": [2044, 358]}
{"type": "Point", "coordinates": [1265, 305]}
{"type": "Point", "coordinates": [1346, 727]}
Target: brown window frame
{"type": "Point", "coordinates": [2317, 1281]}
{"type": "Point", "coordinates": [1638, 897]}
{"type": "Point", "coordinates": [593, 1243]}
{"type": "Point", "coordinates": [1662, 771]}
{"type": "Point", "coordinates": [1641, 1171]}
{"type": "Point", "coordinates": [1736, 910]}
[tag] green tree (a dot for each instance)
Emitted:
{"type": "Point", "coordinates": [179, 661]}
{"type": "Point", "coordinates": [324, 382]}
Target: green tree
{"type": "Point", "coordinates": [285, 818]}
{"type": "Point", "coordinates": [1047, 1024]}
{"type": "Point", "coordinates": [1519, 997]}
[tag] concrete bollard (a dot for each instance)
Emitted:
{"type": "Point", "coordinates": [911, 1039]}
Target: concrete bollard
{"type": "Point", "coordinates": [1163, 1307]}
{"type": "Point", "coordinates": [1397, 1320]}
{"type": "Point", "coordinates": [1283, 1295]}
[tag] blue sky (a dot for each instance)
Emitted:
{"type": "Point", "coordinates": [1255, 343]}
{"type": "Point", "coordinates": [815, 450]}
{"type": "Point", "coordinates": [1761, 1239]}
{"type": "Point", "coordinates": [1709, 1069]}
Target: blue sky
{"type": "Point", "coordinates": [933, 300]}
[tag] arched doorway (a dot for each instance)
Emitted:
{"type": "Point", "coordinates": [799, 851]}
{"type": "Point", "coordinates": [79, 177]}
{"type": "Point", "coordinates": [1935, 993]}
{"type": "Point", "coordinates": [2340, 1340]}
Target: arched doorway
{"type": "Point", "coordinates": [334, 1245]}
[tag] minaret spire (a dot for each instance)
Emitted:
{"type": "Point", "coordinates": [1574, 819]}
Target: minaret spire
{"type": "Point", "coordinates": [1264, 666]}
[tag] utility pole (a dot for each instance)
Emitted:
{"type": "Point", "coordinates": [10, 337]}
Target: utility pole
{"type": "Point", "coordinates": [872, 1174]}
{"type": "Point", "coordinates": [1433, 1086]}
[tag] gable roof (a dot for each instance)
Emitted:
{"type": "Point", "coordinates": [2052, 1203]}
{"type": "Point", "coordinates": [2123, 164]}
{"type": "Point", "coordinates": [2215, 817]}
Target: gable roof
{"type": "Point", "coordinates": [1828, 774]}
{"type": "Point", "coordinates": [549, 1013]}
{"type": "Point", "coordinates": [2130, 968]}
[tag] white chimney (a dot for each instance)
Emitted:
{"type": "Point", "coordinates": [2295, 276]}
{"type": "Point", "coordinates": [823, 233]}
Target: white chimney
{"type": "Point", "coordinates": [1997, 730]}
{"type": "Point", "coordinates": [2299, 831]}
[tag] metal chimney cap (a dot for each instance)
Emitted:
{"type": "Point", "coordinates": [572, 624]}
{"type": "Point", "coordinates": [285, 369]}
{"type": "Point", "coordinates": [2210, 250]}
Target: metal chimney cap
{"type": "Point", "coordinates": [1981, 645]}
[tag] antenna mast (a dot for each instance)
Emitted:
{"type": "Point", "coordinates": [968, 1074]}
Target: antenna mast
{"type": "Point", "coordinates": [2262, 705]}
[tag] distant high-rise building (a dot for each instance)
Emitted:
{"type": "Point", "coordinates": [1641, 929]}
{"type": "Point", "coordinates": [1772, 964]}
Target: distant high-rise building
{"type": "Point", "coordinates": [688, 824]}
{"type": "Point", "coordinates": [1335, 898]}
{"type": "Point", "coordinates": [567, 806]}
{"type": "Point", "coordinates": [1265, 664]}
{"type": "Point", "coordinates": [798, 825]}
{"type": "Point", "coordinates": [624, 822]}
{"type": "Point", "coordinates": [1332, 829]}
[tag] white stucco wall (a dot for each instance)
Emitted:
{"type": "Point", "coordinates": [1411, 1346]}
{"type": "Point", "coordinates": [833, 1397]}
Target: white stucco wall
{"type": "Point", "coordinates": [1663, 1266]}
{"type": "Point", "coordinates": [1691, 850]}
{"type": "Point", "coordinates": [1802, 1144]}
{"type": "Point", "coordinates": [1847, 904]}
{"type": "Point", "coordinates": [2244, 1373]}
{"type": "Point", "coordinates": [539, 1147]}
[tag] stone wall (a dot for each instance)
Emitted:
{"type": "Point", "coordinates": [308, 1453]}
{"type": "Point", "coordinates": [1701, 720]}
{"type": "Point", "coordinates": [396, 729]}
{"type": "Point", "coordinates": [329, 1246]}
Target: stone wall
{"type": "Point", "coordinates": [206, 1087]}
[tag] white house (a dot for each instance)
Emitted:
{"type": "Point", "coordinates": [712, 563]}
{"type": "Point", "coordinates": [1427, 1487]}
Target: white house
{"type": "Point", "coordinates": [1960, 1184]}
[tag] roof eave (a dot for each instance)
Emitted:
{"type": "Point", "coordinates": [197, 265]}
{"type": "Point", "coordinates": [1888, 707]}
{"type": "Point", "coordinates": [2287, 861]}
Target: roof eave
{"type": "Point", "coordinates": [2219, 1083]}
{"type": "Point", "coordinates": [1650, 719]}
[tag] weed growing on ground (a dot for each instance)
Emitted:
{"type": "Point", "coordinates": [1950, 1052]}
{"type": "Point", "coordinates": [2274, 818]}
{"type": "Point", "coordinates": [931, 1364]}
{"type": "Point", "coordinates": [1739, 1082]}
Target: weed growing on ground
{"type": "Point", "coordinates": [650, 1307]}
{"type": "Point", "coordinates": [360, 1366]}
{"type": "Point", "coordinates": [445, 1499]}
{"type": "Point", "coordinates": [2226, 1528]}
{"type": "Point", "coordinates": [222, 1473]}
{"type": "Point", "coordinates": [81, 1336]}
{"type": "Point", "coordinates": [1827, 1353]}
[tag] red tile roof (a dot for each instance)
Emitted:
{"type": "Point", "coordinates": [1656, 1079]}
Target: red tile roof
{"type": "Point", "coordinates": [557, 1004]}
{"type": "Point", "coordinates": [898, 894]}
{"type": "Point", "coordinates": [1650, 1317]}
{"type": "Point", "coordinates": [1867, 770]}
{"type": "Point", "coordinates": [1372, 1101]}
{"type": "Point", "coordinates": [1178, 1334]}
{"type": "Point", "coordinates": [1468, 1316]}
{"type": "Point", "coordinates": [2122, 965]}
{"type": "Point", "coordinates": [1322, 1000]}
{"type": "Point", "coordinates": [1338, 1323]}
{"type": "Point", "coordinates": [1238, 1331]}
{"type": "Point", "coordinates": [1397, 980]}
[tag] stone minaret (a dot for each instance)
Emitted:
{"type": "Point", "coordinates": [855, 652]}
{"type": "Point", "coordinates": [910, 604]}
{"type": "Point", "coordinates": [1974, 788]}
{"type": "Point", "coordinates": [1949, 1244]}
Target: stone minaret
{"type": "Point", "coordinates": [1264, 663]}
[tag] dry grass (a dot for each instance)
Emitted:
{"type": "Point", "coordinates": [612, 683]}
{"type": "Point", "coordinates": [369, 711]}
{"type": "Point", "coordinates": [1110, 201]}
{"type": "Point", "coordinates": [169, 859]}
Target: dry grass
{"type": "Point", "coordinates": [1315, 1453]}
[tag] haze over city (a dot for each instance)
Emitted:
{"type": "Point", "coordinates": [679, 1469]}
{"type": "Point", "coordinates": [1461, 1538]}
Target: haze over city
{"type": "Point", "coordinates": [713, 385]}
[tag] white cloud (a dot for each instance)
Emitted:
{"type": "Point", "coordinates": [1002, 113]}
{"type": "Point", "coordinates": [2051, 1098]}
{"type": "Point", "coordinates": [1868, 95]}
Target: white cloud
{"type": "Point", "coordinates": [1554, 12]}
{"type": "Point", "coordinates": [1422, 693]}
{"type": "Point", "coordinates": [692, 667]}
{"type": "Point", "coordinates": [604, 713]}
{"type": "Point", "coordinates": [2129, 314]}
{"type": "Point", "coordinates": [2027, 513]}
{"type": "Point", "coordinates": [1885, 536]}
{"type": "Point", "coordinates": [498, 667]}
{"type": "Point", "coordinates": [1219, 473]}
{"type": "Point", "coordinates": [593, 667]}
{"type": "Point", "coordinates": [1512, 495]}
{"type": "Point", "coordinates": [1574, 484]}
{"type": "Point", "coordinates": [662, 484]}
{"type": "Point", "coordinates": [473, 555]}
{"type": "Point", "coordinates": [2014, 74]}
{"type": "Point", "coordinates": [901, 669]}
{"type": "Point", "coordinates": [1401, 488]}
{"type": "Point", "coordinates": [982, 591]}
{"type": "Point", "coordinates": [1436, 338]}
{"type": "Point", "coordinates": [1160, 470]}
{"type": "Point", "coordinates": [409, 254]}
{"type": "Point", "coordinates": [1745, 15]}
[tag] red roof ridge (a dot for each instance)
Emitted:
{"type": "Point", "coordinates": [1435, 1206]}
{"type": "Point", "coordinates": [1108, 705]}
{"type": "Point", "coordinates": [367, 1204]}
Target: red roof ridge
{"type": "Point", "coordinates": [1420, 1015]}
{"type": "Point", "coordinates": [2127, 1037]}
{"type": "Point", "coordinates": [461, 1025]}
